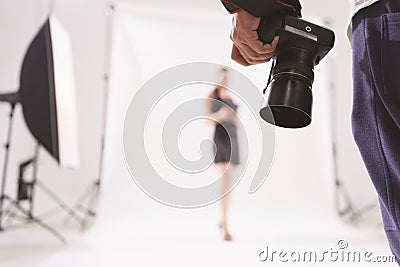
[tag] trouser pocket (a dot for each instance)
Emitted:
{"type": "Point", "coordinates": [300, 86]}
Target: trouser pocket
{"type": "Point", "coordinates": [390, 53]}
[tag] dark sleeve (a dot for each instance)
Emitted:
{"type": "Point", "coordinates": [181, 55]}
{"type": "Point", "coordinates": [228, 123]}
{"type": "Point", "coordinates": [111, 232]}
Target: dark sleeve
{"type": "Point", "coordinates": [232, 8]}
{"type": "Point", "coordinates": [264, 8]}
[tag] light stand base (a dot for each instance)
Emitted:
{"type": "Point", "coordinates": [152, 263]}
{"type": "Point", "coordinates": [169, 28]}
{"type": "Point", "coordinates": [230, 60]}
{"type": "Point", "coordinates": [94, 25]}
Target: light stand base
{"type": "Point", "coordinates": [349, 212]}
{"type": "Point", "coordinates": [27, 215]}
{"type": "Point", "coordinates": [90, 198]}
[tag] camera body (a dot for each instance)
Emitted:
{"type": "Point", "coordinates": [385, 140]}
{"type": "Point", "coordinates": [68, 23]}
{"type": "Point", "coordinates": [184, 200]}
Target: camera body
{"type": "Point", "coordinates": [302, 45]}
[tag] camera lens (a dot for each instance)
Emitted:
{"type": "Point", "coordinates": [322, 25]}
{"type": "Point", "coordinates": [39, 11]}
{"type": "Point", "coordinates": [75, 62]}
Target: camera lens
{"type": "Point", "coordinates": [290, 95]}
{"type": "Point", "coordinates": [290, 102]}
{"type": "Point", "coordinates": [296, 61]}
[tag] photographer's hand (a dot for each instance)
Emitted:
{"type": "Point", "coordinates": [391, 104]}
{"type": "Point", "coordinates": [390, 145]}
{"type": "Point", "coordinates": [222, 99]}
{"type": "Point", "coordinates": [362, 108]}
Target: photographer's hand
{"type": "Point", "coordinates": [247, 49]}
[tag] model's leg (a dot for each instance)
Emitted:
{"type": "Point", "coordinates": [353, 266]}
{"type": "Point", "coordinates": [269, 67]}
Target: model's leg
{"type": "Point", "coordinates": [376, 106]}
{"type": "Point", "coordinates": [226, 170]}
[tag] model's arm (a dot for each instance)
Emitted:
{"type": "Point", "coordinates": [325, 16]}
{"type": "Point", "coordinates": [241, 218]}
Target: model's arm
{"type": "Point", "coordinates": [221, 115]}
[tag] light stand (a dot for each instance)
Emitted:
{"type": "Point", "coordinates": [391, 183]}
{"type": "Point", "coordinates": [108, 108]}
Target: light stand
{"type": "Point", "coordinates": [4, 213]}
{"type": "Point", "coordinates": [26, 189]}
{"type": "Point", "coordinates": [47, 96]}
{"type": "Point", "coordinates": [87, 203]}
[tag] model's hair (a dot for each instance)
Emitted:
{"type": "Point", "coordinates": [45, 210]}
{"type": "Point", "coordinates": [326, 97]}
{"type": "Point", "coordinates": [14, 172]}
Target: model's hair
{"type": "Point", "coordinates": [215, 92]}
{"type": "Point", "coordinates": [224, 69]}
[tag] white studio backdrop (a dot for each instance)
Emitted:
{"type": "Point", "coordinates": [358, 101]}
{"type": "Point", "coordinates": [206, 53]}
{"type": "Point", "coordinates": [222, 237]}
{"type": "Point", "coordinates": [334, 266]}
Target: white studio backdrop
{"type": "Point", "coordinates": [146, 41]}
{"type": "Point", "coordinates": [87, 26]}
{"type": "Point", "coordinates": [134, 61]}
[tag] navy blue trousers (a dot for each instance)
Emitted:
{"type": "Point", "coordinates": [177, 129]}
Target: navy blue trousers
{"type": "Point", "coordinates": [376, 105]}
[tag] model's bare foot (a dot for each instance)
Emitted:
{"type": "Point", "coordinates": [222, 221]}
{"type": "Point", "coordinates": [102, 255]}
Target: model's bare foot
{"type": "Point", "coordinates": [227, 235]}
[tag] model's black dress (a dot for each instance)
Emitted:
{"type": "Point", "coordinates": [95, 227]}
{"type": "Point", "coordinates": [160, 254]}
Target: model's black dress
{"type": "Point", "coordinates": [225, 136]}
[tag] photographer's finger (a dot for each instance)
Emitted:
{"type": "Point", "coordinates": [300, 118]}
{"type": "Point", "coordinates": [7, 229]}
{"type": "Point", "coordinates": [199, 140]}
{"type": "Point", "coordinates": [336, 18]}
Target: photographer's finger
{"type": "Point", "coordinates": [261, 48]}
{"type": "Point", "coordinates": [244, 54]}
{"type": "Point", "coordinates": [252, 59]}
{"type": "Point", "coordinates": [250, 38]}
{"type": "Point", "coordinates": [258, 47]}
{"type": "Point", "coordinates": [272, 46]}
{"type": "Point", "coordinates": [252, 41]}
{"type": "Point", "coordinates": [237, 57]}
{"type": "Point", "coordinates": [251, 54]}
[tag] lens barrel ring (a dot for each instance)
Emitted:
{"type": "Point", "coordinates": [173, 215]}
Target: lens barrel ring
{"type": "Point", "coordinates": [290, 73]}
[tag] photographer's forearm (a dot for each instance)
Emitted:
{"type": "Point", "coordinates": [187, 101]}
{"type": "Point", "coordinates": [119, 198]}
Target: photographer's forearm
{"type": "Point", "coordinates": [263, 8]}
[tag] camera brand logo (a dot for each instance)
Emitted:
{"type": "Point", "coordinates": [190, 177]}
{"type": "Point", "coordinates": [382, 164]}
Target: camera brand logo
{"type": "Point", "coordinates": [148, 106]}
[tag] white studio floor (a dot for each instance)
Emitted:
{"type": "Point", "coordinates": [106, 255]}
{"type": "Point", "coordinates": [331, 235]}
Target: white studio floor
{"type": "Point", "coordinates": [286, 214]}
{"type": "Point", "coordinates": [163, 236]}
{"type": "Point", "coordinates": [293, 211]}
{"type": "Point", "coordinates": [181, 241]}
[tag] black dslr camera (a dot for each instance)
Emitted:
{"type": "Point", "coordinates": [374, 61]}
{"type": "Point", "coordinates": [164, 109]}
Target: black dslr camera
{"type": "Point", "coordinates": [302, 45]}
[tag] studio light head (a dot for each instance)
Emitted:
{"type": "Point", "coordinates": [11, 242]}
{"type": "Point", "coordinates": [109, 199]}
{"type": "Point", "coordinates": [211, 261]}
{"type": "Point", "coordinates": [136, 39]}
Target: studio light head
{"type": "Point", "coordinates": [47, 97]}
{"type": "Point", "coordinates": [47, 93]}
{"type": "Point", "coordinates": [302, 45]}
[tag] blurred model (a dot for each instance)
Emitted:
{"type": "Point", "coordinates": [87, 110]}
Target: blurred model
{"type": "Point", "coordinates": [222, 113]}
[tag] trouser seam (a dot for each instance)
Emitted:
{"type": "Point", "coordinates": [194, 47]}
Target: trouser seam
{"type": "Point", "coordinates": [377, 132]}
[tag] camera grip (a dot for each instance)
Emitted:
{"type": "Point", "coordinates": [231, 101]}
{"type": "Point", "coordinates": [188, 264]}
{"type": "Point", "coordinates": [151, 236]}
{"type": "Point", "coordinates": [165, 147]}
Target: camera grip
{"type": "Point", "coordinates": [268, 28]}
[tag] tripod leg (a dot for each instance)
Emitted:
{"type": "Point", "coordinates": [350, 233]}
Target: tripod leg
{"type": "Point", "coordinates": [6, 161]}
{"type": "Point", "coordinates": [90, 195]}
{"type": "Point", "coordinates": [78, 206]}
{"type": "Point", "coordinates": [90, 212]}
{"type": "Point", "coordinates": [62, 205]}
{"type": "Point", "coordinates": [40, 222]}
